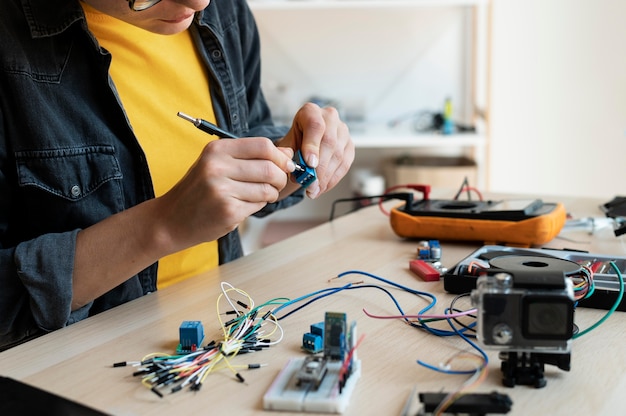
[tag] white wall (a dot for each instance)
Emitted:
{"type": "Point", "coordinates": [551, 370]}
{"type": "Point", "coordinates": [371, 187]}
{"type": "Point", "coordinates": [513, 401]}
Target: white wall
{"type": "Point", "coordinates": [382, 62]}
{"type": "Point", "coordinates": [385, 62]}
{"type": "Point", "coordinates": [558, 83]}
{"type": "Point", "coordinates": [558, 97]}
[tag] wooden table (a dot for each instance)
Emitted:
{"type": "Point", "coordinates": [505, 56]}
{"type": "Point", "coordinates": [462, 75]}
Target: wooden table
{"type": "Point", "coordinates": [76, 362]}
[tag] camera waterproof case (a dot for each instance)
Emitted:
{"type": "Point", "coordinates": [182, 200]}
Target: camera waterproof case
{"type": "Point", "coordinates": [523, 312]}
{"type": "Point", "coordinates": [525, 309]}
{"type": "Point", "coordinates": [521, 223]}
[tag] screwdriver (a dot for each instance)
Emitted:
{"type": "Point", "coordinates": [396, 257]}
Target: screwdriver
{"type": "Point", "coordinates": [211, 128]}
{"type": "Point", "coordinates": [207, 127]}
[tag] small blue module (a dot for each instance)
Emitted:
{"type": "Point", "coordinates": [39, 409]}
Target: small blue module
{"type": "Point", "coordinates": [313, 341]}
{"type": "Point", "coordinates": [191, 334]}
{"type": "Point", "coordinates": [303, 177]}
{"type": "Point", "coordinates": [429, 250]}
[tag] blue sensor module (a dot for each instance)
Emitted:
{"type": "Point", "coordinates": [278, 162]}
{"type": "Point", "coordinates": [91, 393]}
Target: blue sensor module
{"type": "Point", "coordinates": [313, 341]}
{"type": "Point", "coordinates": [191, 335]}
{"type": "Point", "coordinates": [307, 175]}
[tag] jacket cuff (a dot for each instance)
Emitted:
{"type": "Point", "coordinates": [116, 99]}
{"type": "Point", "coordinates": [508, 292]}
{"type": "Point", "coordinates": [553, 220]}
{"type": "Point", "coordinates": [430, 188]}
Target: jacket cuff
{"type": "Point", "coordinates": [292, 199]}
{"type": "Point", "coordinates": [45, 266]}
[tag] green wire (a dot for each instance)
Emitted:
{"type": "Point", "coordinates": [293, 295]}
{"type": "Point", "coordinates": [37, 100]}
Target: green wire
{"type": "Point", "coordinates": [613, 308]}
{"type": "Point", "coordinates": [240, 319]}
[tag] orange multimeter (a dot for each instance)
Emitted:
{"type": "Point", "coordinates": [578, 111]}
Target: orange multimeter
{"type": "Point", "coordinates": [517, 222]}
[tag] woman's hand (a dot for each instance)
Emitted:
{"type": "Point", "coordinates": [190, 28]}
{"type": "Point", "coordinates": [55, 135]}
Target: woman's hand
{"type": "Point", "coordinates": [325, 143]}
{"type": "Point", "coordinates": [231, 180]}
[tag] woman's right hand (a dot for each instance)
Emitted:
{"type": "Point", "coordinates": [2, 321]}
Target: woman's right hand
{"type": "Point", "coordinates": [231, 180]}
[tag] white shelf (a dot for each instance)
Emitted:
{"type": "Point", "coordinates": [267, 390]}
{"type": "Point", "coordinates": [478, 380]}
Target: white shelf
{"type": "Point", "coordinates": [386, 137]}
{"type": "Point", "coordinates": [361, 4]}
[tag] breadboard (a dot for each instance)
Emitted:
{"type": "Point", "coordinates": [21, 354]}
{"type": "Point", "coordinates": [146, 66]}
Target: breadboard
{"type": "Point", "coordinates": [285, 394]}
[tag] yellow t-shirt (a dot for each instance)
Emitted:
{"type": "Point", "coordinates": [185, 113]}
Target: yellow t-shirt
{"type": "Point", "coordinates": [157, 76]}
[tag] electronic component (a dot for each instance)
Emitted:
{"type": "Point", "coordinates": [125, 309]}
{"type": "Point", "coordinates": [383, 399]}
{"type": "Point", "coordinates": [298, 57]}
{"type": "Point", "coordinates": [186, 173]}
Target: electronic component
{"type": "Point", "coordinates": [424, 270]}
{"type": "Point", "coordinates": [335, 335]}
{"type": "Point", "coordinates": [313, 341]}
{"type": "Point", "coordinates": [429, 250]}
{"type": "Point", "coordinates": [304, 175]}
{"type": "Point", "coordinates": [312, 372]}
{"type": "Point", "coordinates": [428, 265]}
{"type": "Point", "coordinates": [471, 403]}
{"type": "Point", "coordinates": [515, 222]}
{"type": "Point", "coordinates": [191, 334]}
{"type": "Point", "coordinates": [319, 383]}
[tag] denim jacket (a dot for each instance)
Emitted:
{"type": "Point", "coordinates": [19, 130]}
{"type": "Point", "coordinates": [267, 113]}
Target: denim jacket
{"type": "Point", "coordinates": [69, 158]}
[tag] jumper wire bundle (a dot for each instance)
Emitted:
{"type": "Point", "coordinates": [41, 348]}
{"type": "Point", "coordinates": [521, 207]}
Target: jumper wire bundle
{"type": "Point", "coordinates": [248, 331]}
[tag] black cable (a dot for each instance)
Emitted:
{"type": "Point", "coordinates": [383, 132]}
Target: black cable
{"type": "Point", "coordinates": [464, 185]}
{"type": "Point", "coordinates": [359, 198]}
{"type": "Point", "coordinates": [404, 196]}
{"type": "Point", "coordinates": [455, 310]}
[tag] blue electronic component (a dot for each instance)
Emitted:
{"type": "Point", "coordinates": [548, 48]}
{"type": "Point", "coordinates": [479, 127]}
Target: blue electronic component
{"type": "Point", "coordinates": [313, 341]}
{"type": "Point", "coordinates": [307, 175]}
{"type": "Point", "coordinates": [429, 250]}
{"type": "Point", "coordinates": [191, 334]}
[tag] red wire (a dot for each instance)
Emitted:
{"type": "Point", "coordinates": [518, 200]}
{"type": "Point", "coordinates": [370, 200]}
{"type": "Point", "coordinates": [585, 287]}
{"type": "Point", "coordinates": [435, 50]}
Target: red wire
{"type": "Point", "coordinates": [346, 361]}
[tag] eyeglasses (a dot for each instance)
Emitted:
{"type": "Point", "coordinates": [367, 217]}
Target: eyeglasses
{"type": "Point", "coordinates": [139, 5]}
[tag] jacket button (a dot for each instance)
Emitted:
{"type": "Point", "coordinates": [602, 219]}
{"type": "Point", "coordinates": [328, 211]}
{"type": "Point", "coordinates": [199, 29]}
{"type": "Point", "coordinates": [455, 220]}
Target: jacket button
{"type": "Point", "coordinates": [75, 191]}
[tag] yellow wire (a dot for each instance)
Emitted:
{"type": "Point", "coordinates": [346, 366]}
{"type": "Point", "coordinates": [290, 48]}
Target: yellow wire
{"type": "Point", "coordinates": [157, 355]}
{"type": "Point", "coordinates": [475, 380]}
{"type": "Point", "coordinates": [215, 360]}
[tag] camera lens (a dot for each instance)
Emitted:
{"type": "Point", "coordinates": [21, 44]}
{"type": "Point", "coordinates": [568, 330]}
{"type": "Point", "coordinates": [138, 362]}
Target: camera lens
{"type": "Point", "coordinates": [548, 318]}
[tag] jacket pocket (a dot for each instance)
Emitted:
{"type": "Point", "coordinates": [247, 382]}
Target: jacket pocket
{"type": "Point", "coordinates": [70, 173]}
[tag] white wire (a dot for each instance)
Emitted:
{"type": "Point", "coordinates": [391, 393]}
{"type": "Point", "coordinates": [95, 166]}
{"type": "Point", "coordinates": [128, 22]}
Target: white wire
{"type": "Point", "coordinates": [225, 294]}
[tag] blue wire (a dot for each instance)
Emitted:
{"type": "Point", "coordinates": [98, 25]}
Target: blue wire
{"type": "Point", "coordinates": [405, 288]}
{"type": "Point", "coordinates": [422, 325]}
{"type": "Point", "coordinates": [440, 332]}
{"type": "Point", "coordinates": [332, 290]}
{"type": "Point", "coordinates": [327, 292]}
{"type": "Point", "coordinates": [437, 332]}
{"type": "Point", "coordinates": [347, 287]}
{"type": "Point", "coordinates": [466, 339]}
